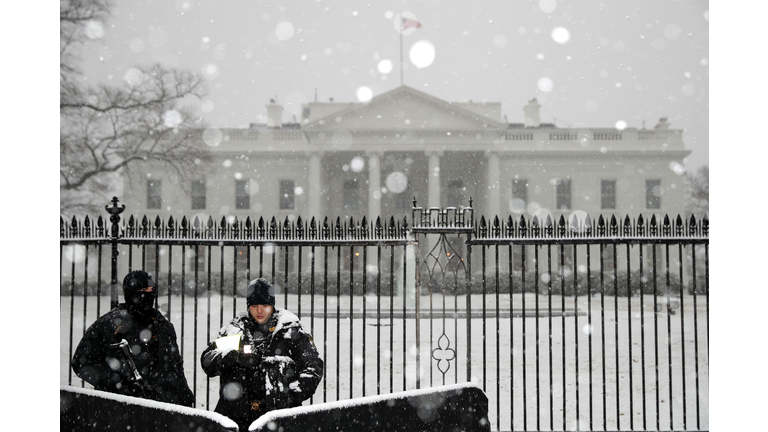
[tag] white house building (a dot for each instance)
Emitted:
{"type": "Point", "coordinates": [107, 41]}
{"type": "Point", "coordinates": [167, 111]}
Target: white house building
{"type": "Point", "coordinates": [371, 159]}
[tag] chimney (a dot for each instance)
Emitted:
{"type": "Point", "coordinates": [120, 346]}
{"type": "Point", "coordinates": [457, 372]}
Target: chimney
{"type": "Point", "coordinates": [274, 114]}
{"type": "Point", "coordinates": [531, 112]}
{"type": "Point", "coordinates": [663, 124]}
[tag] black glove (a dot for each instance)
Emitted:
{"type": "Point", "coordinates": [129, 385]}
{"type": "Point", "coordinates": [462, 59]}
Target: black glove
{"type": "Point", "coordinates": [235, 358]}
{"type": "Point", "coordinates": [257, 353]}
{"type": "Point", "coordinates": [282, 400]}
{"type": "Point", "coordinates": [132, 388]}
{"type": "Point", "coordinates": [231, 359]}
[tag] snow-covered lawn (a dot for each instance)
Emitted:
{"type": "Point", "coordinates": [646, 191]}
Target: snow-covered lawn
{"type": "Point", "coordinates": [364, 359]}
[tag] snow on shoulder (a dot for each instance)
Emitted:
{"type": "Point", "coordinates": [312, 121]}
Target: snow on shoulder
{"type": "Point", "coordinates": [285, 318]}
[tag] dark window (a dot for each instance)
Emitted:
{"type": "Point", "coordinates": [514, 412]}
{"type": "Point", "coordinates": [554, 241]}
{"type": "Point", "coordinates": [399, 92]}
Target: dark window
{"type": "Point", "coordinates": [351, 197]}
{"type": "Point", "coordinates": [242, 194]}
{"type": "Point", "coordinates": [653, 194]}
{"type": "Point", "coordinates": [352, 257]}
{"type": "Point", "coordinates": [241, 255]}
{"type": "Point", "coordinates": [150, 257]}
{"type": "Point", "coordinates": [197, 255]}
{"type": "Point", "coordinates": [517, 254]}
{"type": "Point", "coordinates": [286, 254]}
{"type": "Point", "coordinates": [455, 193]}
{"type": "Point", "coordinates": [198, 194]}
{"type": "Point", "coordinates": [563, 198]}
{"type": "Point", "coordinates": [567, 264]}
{"type": "Point", "coordinates": [608, 194]}
{"type": "Point", "coordinates": [403, 200]}
{"type": "Point", "coordinates": [287, 195]}
{"type": "Point", "coordinates": [519, 195]}
{"type": "Point", "coordinates": [608, 254]}
{"type": "Point", "coordinates": [650, 263]}
{"type": "Point", "coordinates": [154, 194]}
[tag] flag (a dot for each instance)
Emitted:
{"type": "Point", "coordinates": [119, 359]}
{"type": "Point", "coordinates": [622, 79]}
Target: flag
{"type": "Point", "coordinates": [408, 23]}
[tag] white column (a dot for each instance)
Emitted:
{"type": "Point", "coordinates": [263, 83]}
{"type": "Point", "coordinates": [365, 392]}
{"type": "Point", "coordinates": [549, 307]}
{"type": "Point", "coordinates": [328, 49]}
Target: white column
{"type": "Point", "coordinates": [374, 185]}
{"type": "Point", "coordinates": [493, 181]}
{"type": "Point", "coordinates": [433, 172]}
{"type": "Point", "coordinates": [315, 187]}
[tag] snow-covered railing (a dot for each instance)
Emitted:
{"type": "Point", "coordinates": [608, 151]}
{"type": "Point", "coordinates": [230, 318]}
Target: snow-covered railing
{"type": "Point", "coordinates": [231, 230]}
{"type": "Point", "coordinates": [590, 231]}
{"type": "Point", "coordinates": [545, 314]}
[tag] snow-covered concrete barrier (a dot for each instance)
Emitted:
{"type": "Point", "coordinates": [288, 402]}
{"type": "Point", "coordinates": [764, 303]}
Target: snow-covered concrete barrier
{"type": "Point", "coordinates": [85, 410]}
{"type": "Point", "coordinates": [459, 407]}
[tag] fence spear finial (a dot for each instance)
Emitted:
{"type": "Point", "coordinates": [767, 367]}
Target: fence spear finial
{"type": "Point", "coordinates": [692, 225]}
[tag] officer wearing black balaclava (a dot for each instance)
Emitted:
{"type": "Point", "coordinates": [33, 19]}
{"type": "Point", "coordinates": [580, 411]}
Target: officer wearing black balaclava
{"type": "Point", "coordinates": [140, 294]}
{"type": "Point", "coordinates": [132, 349]}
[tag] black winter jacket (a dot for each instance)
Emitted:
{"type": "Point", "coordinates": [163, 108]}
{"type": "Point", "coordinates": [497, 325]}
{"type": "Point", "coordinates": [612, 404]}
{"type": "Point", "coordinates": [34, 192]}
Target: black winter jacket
{"type": "Point", "coordinates": [284, 370]}
{"type": "Point", "coordinates": [155, 352]}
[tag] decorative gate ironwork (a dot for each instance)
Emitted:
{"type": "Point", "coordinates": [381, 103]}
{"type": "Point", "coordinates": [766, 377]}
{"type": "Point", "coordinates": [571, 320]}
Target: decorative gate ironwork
{"type": "Point", "coordinates": [441, 259]}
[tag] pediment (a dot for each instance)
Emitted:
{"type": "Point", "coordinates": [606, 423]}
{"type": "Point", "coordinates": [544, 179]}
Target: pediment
{"type": "Point", "coordinates": [404, 108]}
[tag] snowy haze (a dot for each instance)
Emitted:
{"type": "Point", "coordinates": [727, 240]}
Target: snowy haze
{"type": "Point", "coordinates": [589, 63]}
{"type": "Point", "coordinates": [738, 80]}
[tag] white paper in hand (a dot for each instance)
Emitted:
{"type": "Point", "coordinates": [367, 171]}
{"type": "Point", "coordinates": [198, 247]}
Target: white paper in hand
{"type": "Point", "coordinates": [228, 343]}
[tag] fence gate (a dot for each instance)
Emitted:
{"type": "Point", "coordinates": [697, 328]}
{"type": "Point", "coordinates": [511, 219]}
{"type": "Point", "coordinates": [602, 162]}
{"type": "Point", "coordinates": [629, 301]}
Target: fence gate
{"type": "Point", "coordinates": [577, 324]}
{"type": "Point", "coordinates": [442, 273]}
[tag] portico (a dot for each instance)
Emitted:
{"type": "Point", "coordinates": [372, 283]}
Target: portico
{"type": "Point", "coordinates": [370, 159]}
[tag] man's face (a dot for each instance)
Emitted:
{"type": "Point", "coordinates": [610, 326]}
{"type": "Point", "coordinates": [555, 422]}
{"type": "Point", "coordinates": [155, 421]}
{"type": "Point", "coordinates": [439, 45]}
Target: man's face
{"type": "Point", "coordinates": [260, 313]}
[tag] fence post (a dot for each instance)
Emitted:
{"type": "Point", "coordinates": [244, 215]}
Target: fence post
{"type": "Point", "coordinates": [114, 217]}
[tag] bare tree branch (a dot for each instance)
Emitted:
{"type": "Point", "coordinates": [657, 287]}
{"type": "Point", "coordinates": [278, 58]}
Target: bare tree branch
{"type": "Point", "coordinates": [106, 130]}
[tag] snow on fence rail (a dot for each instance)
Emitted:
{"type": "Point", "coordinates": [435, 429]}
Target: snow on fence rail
{"type": "Point", "coordinates": [569, 324]}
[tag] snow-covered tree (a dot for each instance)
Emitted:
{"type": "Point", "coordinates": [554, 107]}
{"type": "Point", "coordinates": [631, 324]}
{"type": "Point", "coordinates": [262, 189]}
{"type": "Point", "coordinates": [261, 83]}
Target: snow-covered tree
{"type": "Point", "coordinates": [697, 192]}
{"type": "Point", "coordinates": [105, 129]}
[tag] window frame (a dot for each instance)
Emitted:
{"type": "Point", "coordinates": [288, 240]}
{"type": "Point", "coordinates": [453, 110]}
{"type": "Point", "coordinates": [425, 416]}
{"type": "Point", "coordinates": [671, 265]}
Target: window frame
{"type": "Point", "coordinates": [564, 194]}
{"type": "Point", "coordinates": [403, 199]}
{"type": "Point", "coordinates": [455, 193]}
{"type": "Point", "coordinates": [350, 193]}
{"type": "Point", "coordinates": [287, 194]}
{"type": "Point", "coordinates": [518, 186]}
{"type": "Point", "coordinates": [197, 197]}
{"type": "Point", "coordinates": [608, 198]}
{"type": "Point", "coordinates": [243, 200]}
{"type": "Point", "coordinates": [652, 200]}
{"type": "Point", "coordinates": [154, 200]}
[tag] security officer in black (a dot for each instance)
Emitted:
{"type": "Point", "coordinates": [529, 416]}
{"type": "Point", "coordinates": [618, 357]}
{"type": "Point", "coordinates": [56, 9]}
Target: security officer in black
{"type": "Point", "coordinates": [132, 349]}
{"type": "Point", "coordinates": [265, 359]}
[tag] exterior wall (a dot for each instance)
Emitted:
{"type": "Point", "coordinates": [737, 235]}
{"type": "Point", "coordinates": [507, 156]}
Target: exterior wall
{"type": "Point", "coordinates": [586, 175]}
{"type": "Point", "coordinates": [433, 143]}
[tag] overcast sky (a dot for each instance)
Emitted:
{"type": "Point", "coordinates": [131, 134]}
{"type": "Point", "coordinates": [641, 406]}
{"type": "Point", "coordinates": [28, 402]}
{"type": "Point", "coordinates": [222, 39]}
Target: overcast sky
{"type": "Point", "coordinates": [589, 63]}
{"type": "Point", "coordinates": [739, 85]}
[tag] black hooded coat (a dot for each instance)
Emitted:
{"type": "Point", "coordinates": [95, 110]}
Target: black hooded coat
{"type": "Point", "coordinates": [152, 342]}
{"type": "Point", "coordinates": [283, 370]}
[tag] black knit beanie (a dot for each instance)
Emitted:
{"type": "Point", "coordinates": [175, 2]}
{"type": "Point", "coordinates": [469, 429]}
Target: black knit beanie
{"type": "Point", "coordinates": [260, 292]}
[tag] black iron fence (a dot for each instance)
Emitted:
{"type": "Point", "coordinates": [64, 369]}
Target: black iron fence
{"type": "Point", "coordinates": [568, 324]}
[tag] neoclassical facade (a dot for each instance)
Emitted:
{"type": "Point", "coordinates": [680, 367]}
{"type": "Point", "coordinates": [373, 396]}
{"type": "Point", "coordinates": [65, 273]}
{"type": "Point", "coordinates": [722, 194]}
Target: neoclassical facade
{"type": "Point", "coordinates": [371, 159]}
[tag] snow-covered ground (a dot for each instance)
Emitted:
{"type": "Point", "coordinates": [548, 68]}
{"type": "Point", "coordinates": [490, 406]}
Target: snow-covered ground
{"type": "Point", "coordinates": [364, 359]}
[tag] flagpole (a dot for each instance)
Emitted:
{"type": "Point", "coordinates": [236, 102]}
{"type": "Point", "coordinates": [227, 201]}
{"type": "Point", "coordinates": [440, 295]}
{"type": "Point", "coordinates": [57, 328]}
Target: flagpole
{"type": "Point", "coordinates": [401, 48]}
